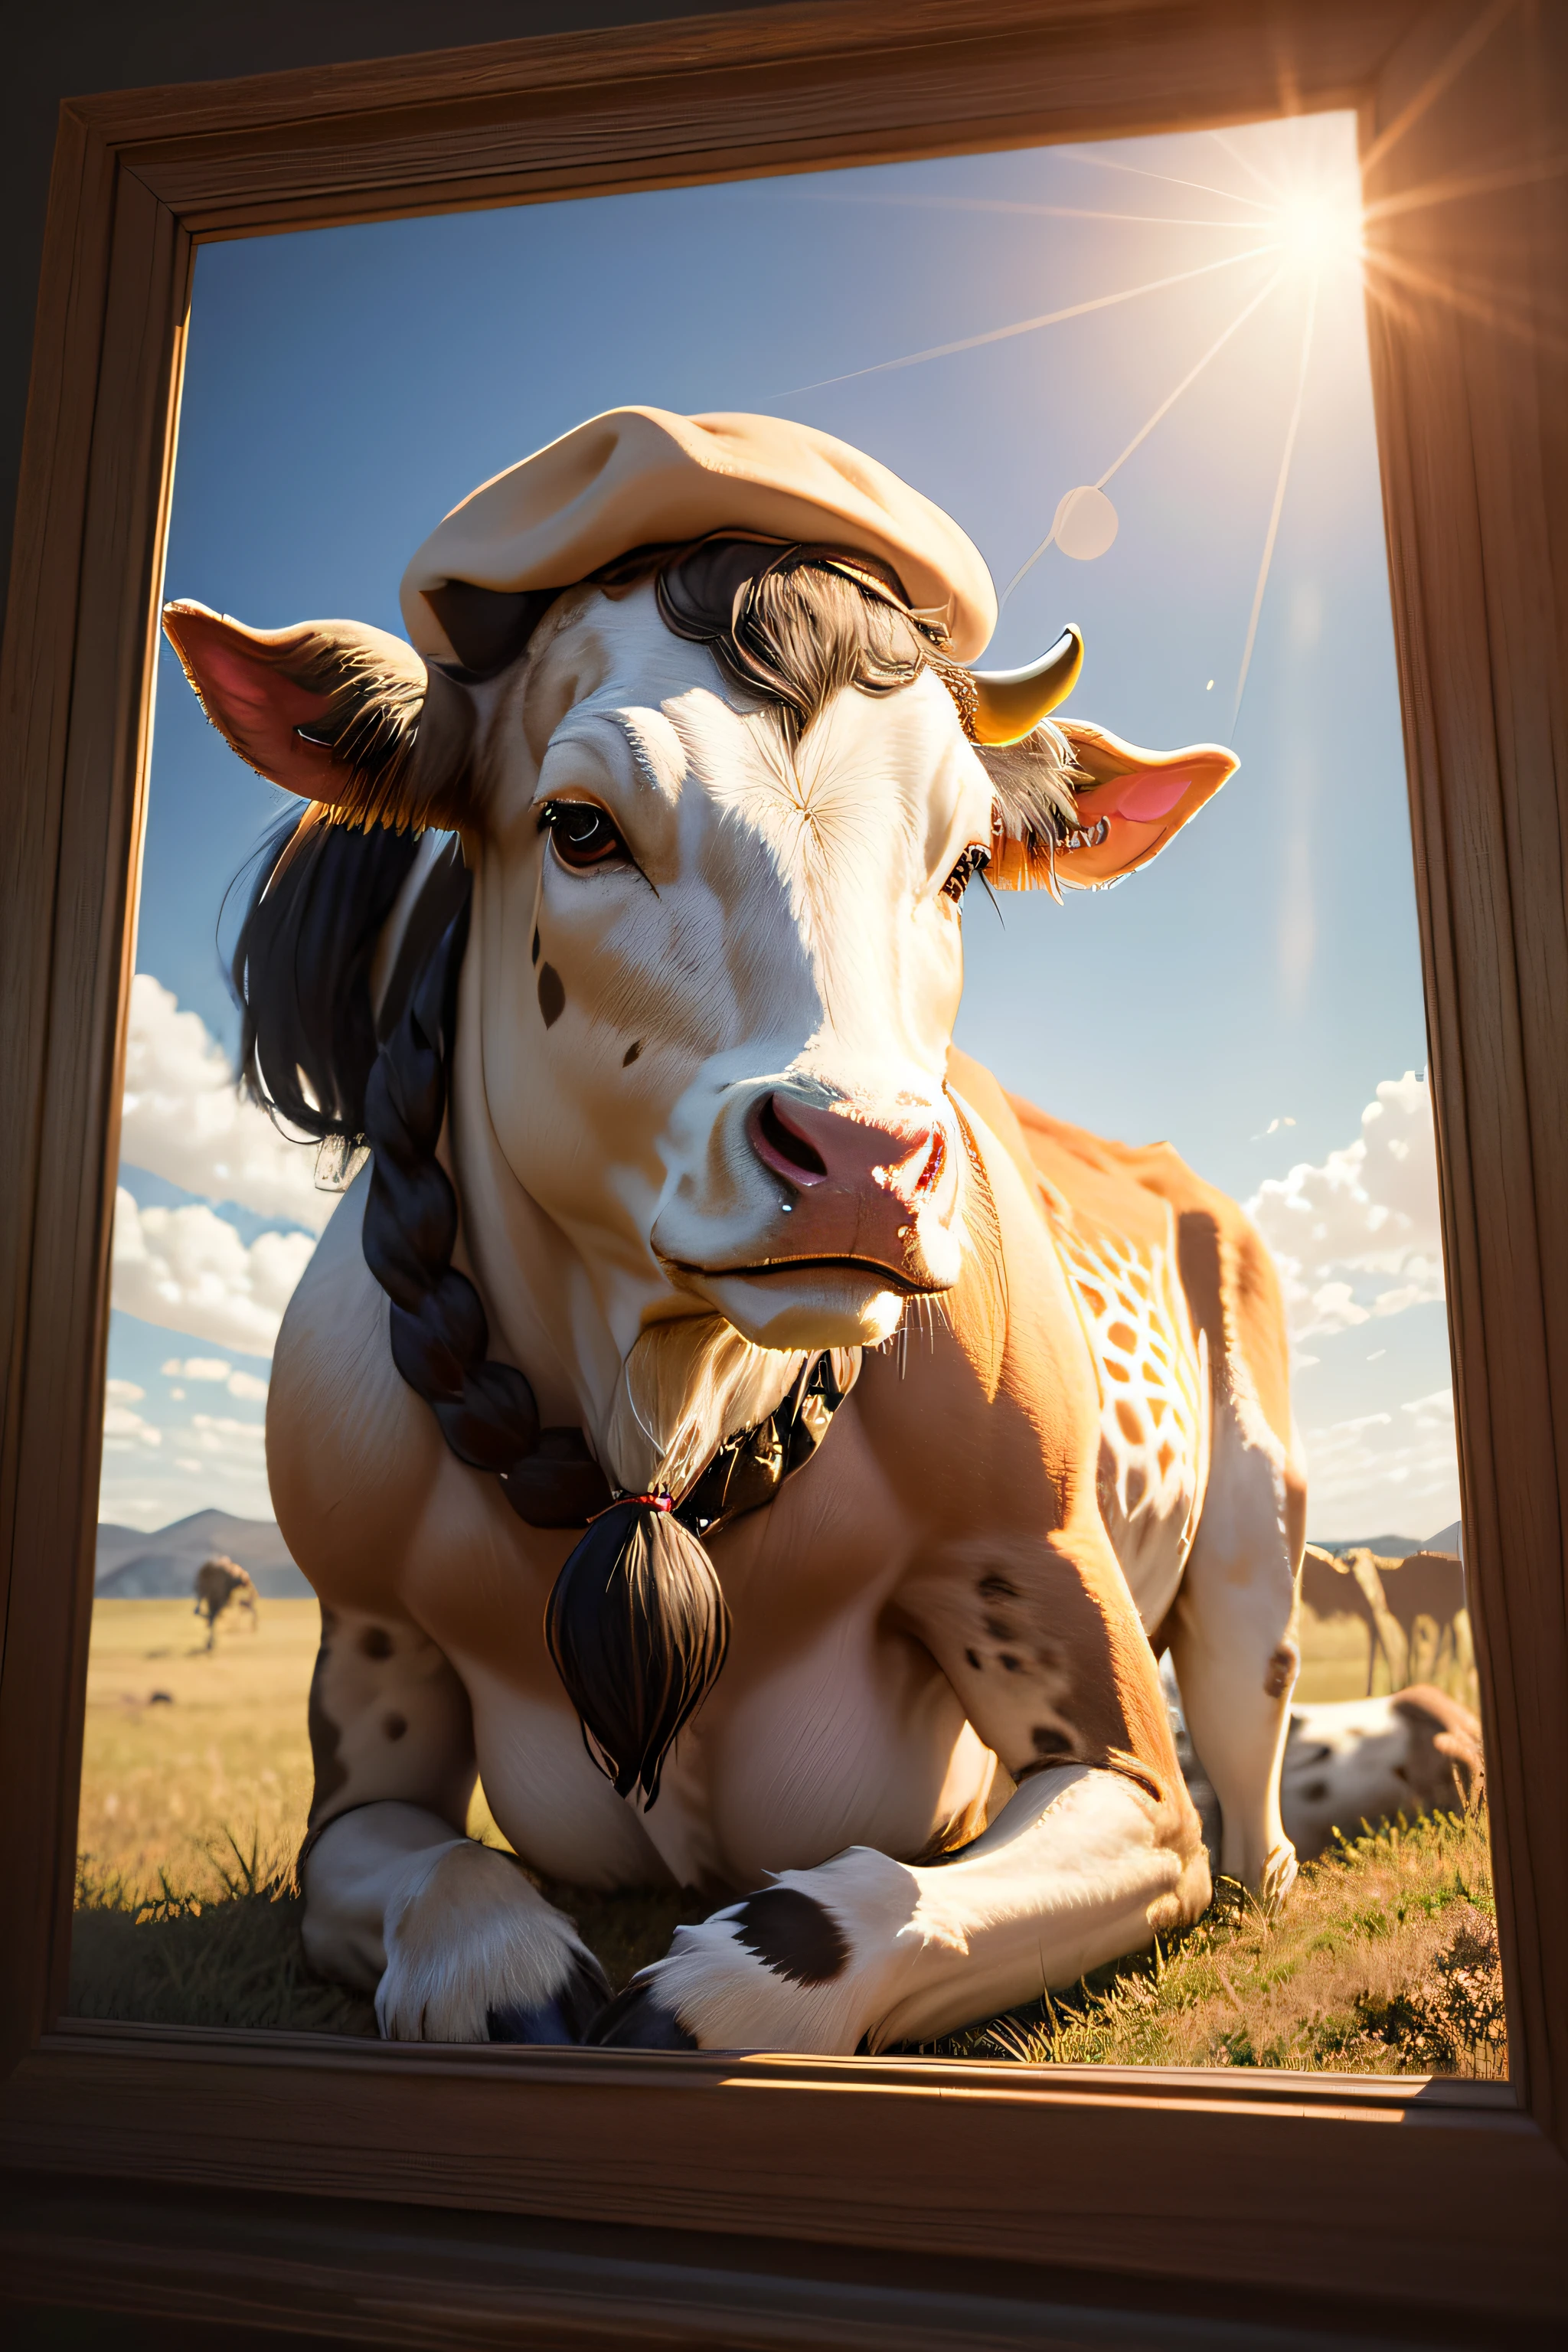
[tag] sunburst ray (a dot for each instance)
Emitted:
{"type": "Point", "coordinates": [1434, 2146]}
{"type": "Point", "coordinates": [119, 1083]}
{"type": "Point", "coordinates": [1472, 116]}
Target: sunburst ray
{"type": "Point", "coordinates": [1031, 326]}
{"type": "Point", "coordinates": [1279, 505]}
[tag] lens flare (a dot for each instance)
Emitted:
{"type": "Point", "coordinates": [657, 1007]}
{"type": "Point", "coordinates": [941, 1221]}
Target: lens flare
{"type": "Point", "coordinates": [1318, 226]}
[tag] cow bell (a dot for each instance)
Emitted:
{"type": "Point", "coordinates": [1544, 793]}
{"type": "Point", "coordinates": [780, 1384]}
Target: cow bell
{"type": "Point", "coordinates": [1009, 704]}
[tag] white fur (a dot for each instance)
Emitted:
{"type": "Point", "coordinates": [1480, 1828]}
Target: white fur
{"type": "Point", "coordinates": [1073, 1873]}
{"type": "Point", "coordinates": [445, 1929]}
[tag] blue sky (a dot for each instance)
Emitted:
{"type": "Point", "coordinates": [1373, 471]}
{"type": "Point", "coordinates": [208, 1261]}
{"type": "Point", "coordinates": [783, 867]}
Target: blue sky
{"type": "Point", "coordinates": [1247, 996]}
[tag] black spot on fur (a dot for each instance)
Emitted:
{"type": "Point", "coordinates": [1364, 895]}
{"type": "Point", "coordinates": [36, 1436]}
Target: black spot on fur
{"type": "Point", "coordinates": [1315, 1792]}
{"type": "Point", "coordinates": [1011, 1663]}
{"type": "Point", "coordinates": [551, 994]}
{"type": "Point", "coordinates": [394, 1725]}
{"type": "Point", "coordinates": [629, 1056]}
{"type": "Point", "coordinates": [1048, 1741]}
{"type": "Point", "coordinates": [533, 951]}
{"type": "Point", "coordinates": [793, 1935]}
{"type": "Point", "coordinates": [973, 1659]}
{"type": "Point", "coordinates": [996, 1586]}
{"type": "Point", "coordinates": [636, 2020]}
{"type": "Point", "coordinates": [565, 2017]}
{"type": "Point", "coordinates": [375, 1641]}
{"type": "Point", "coordinates": [331, 1772]}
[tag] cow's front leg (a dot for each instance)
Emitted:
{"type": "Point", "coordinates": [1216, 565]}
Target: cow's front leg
{"type": "Point", "coordinates": [1082, 1866]}
{"type": "Point", "coordinates": [1232, 1641]}
{"type": "Point", "coordinates": [455, 1941]}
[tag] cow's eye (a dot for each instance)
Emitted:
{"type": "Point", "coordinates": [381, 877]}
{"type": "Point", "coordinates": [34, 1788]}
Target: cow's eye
{"type": "Point", "coordinates": [973, 861]}
{"type": "Point", "coordinates": [582, 832]}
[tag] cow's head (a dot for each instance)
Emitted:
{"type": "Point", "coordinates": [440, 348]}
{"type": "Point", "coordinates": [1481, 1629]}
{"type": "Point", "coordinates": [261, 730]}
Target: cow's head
{"type": "Point", "coordinates": [721, 812]}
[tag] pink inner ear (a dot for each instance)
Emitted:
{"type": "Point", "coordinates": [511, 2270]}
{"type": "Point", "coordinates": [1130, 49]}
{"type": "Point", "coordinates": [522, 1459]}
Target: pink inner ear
{"type": "Point", "coordinates": [1145, 796]}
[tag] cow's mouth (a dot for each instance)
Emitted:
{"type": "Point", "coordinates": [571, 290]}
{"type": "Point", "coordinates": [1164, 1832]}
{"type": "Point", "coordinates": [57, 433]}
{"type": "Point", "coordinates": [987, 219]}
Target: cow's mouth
{"type": "Point", "coordinates": [888, 1277]}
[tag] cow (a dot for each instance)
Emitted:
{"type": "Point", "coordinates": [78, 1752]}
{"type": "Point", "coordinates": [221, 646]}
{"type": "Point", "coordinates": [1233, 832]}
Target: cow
{"type": "Point", "coordinates": [221, 1583]}
{"type": "Point", "coordinates": [717, 1413]}
{"type": "Point", "coordinates": [1350, 1590]}
{"type": "Point", "coordinates": [1428, 1584]}
{"type": "Point", "coordinates": [1375, 1760]}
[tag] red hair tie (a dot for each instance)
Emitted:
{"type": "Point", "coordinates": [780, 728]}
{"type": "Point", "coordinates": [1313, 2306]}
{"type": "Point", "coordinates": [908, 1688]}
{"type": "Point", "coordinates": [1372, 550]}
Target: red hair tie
{"type": "Point", "coordinates": [660, 1502]}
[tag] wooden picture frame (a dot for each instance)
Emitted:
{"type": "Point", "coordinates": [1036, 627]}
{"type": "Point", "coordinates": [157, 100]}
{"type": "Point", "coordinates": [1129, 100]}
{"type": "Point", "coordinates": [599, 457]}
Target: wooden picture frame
{"type": "Point", "coordinates": [405, 2194]}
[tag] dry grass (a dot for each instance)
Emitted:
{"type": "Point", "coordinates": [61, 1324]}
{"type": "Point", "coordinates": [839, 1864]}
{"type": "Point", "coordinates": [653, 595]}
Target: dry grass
{"type": "Point", "coordinates": [1382, 1960]}
{"type": "Point", "coordinates": [193, 1804]}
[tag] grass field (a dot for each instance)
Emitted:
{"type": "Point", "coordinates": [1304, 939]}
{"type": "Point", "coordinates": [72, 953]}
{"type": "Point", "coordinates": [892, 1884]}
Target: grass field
{"type": "Point", "coordinates": [196, 1779]}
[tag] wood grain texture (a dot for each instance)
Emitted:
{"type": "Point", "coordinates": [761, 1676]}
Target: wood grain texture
{"type": "Point", "coordinates": [777, 91]}
{"type": "Point", "coordinates": [1196, 2179]}
{"type": "Point", "coordinates": [84, 625]}
{"type": "Point", "coordinates": [1468, 318]}
{"type": "Point", "coordinates": [1252, 2185]}
{"type": "Point", "coordinates": [428, 2278]}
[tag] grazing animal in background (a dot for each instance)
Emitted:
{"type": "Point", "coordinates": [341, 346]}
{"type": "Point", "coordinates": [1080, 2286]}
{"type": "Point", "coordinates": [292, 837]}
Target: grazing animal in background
{"type": "Point", "coordinates": [599, 1420]}
{"type": "Point", "coordinates": [221, 1583]}
{"type": "Point", "coordinates": [1339, 1591]}
{"type": "Point", "coordinates": [1418, 1751]}
{"type": "Point", "coordinates": [1428, 1584]}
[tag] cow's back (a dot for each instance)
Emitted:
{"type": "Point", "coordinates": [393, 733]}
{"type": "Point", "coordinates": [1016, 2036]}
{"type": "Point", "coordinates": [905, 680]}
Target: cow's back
{"type": "Point", "coordinates": [1231, 1287]}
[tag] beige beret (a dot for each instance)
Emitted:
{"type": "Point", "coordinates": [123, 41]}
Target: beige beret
{"type": "Point", "coordinates": [639, 477]}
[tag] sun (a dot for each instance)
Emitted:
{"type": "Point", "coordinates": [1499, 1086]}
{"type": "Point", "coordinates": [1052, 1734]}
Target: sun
{"type": "Point", "coordinates": [1318, 226]}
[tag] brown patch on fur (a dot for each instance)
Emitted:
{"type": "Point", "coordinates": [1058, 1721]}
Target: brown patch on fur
{"type": "Point", "coordinates": [1447, 1739]}
{"type": "Point", "coordinates": [1280, 1672]}
{"type": "Point", "coordinates": [375, 1641]}
{"type": "Point", "coordinates": [394, 1725]}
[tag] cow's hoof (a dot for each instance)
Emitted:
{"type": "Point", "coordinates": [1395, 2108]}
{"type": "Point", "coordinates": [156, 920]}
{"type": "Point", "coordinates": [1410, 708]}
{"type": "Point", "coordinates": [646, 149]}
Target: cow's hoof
{"type": "Point", "coordinates": [565, 2017]}
{"type": "Point", "coordinates": [635, 2021]}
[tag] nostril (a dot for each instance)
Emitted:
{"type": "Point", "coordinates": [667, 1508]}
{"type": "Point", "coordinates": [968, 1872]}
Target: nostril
{"type": "Point", "coordinates": [785, 1144]}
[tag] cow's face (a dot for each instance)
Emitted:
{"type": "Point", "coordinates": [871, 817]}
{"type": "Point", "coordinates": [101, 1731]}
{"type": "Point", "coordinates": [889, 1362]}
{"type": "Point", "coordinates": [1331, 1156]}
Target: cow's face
{"type": "Point", "coordinates": [713, 966]}
{"type": "Point", "coordinates": [719, 972]}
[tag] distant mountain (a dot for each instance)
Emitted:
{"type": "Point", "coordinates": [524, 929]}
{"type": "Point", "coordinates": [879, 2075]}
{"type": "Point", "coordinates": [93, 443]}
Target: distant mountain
{"type": "Point", "coordinates": [1399, 1546]}
{"type": "Point", "coordinates": [133, 1565]}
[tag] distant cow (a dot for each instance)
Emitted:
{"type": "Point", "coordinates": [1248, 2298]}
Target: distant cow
{"type": "Point", "coordinates": [220, 1583]}
{"type": "Point", "coordinates": [1350, 1588]}
{"type": "Point", "coordinates": [1424, 1584]}
{"type": "Point", "coordinates": [1372, 1759]}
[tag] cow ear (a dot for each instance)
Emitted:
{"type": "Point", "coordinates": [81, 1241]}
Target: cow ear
{"type": "Point", "coordinates": [1077, 807]}
{"type": "Point", "coordinates": [340, 713]}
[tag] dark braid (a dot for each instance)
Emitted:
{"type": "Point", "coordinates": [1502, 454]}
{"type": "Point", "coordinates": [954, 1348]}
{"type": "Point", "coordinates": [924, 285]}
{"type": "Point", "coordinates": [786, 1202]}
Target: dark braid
{"type": "Point", "coordinates": [636, 1623]}
{"type": "Point", "coordinates": [440, 1335]}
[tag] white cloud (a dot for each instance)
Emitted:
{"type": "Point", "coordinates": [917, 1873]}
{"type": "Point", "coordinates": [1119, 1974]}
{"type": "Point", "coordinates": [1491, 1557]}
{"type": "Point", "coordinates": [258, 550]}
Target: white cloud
{"type": "Point", "coordinates": [124, 1392]}
{"type": "Point", "coordinates": [188, 1270]}
{"type": "Point", "coordinates": [1341, 1230]}
{"type": "Point", "coordinates": [1385, 1473]}
{"type": "Point", "coordinates": [209, 1459]}
{"type": "Point", "coordinates": [244, 1385]}
{"type": "Point", "coordinates": [185, 1120]}
{"type": "Point", "coordinates": [124, 1429]}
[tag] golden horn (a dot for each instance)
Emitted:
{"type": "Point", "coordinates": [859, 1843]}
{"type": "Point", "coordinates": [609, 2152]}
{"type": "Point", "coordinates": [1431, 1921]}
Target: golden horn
{"type": "Point", "coordinates": [1010, 703]}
